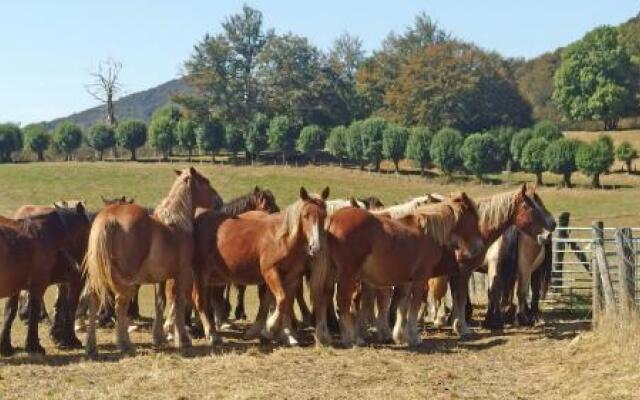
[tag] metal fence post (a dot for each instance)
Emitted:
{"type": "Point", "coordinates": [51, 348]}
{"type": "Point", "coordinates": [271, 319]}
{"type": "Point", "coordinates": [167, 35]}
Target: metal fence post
{"type": "Point", "coordinates": [603, 267]}
{"type": "Point", "coordinates": [624, 247]}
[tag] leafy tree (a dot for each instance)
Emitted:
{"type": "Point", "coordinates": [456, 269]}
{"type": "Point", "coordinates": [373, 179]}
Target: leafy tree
{"type": "Point", "coordinates": [282, 135]}
{"type": "Point", "coordinates": [101, 137]}
{"type": "Point", "coordinates": [418, 146]}
{"type": "Point", "coordinates": [532, 159]}
{"type": "Point", "coordinates": [479, 154]}
{"type": "Point", "coordinates": [519, 140]}
{"type": "Point", "coordinates": [535, 82]}
{"type": "Point", "coordinates": [445, 150]}
{"type": "Point", "coordinates": [595, 159]}
{"type": "Point", "coordinates": [162, 134]}
{"type": "Point", "coordinates": [394, 144]}
{"type": "Point", "coordinates": [234, 141]}
{"type": "Point", "coordinates": [186, 132]}
{"type": "Point", "coordinates": [355, 143]}
{"type": "Point", "coordinates": [345, 57]}
{"type": "Point", "coordinates": [210, 136]}
{"type": "Point", "coordinates": [256, 137]}
{"type": "Point", "coordinates": [337, 143]}
{"type": "Point", "coordinates": [596, 80]}
{"type": "Point", "coordinates": [131, 134]}
{"type": "Point", "coordinates": [37, 139]}
{"type": "Point", "coordinates": [67, 138]}
{"type": "Point", "coordinates": [560, 158]}
{"type": "Point", "coordinates": [503, 136]}
{"type": "Point", "coordinates": [547, 130]}
{"type": "Point", "coordinates": [311, 140]}
{"type": "Point", "coordinates": [10, 141]}
{"type": "Point", "coordinates": [626, 153]}
{"type": "Point", "coordinates": [372, 131]}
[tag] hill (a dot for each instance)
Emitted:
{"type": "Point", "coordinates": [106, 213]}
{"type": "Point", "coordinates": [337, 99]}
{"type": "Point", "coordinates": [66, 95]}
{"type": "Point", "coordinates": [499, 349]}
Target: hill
{"type": "Point", "coordinates": [139, 105]}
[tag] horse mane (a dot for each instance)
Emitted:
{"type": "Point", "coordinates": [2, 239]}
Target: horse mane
{"type": "Point", "coordinates": [495, 210]}
{"type": "Point", "coordinates": [405, 209]}
{"type": "Point", "coordinates": [177, 208]}
{"type": "Point", "coordinates": [239, 204]}
{"type": "Point", "coordinates": [438, 220]}
{"type": "Point", "coordinates": [291, 221]}
{"type": "Point", "coordinates": [338, 204]}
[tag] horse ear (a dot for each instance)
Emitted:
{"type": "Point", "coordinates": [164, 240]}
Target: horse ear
{"type": "Point", "coordinates": [131, 200]}
{"type": "Point", "coordinates": [256, 190]}
{"type": "Point", "coordinates": [303, 193]}
{"type": "Point", "coordinates": [79, 208]}
{"type": "Point", "coordinates": [354, 203]}
{"type": "Point", "coordinates": [325, 193]}
{"type": "Point", "coordinates": [523, 190]}
{"type": "Point", "coordinates": [105, 201]}
{"type": "Point", "coordinates": [178, 172]}
{"type": "Point", "coordinates": [193, 171]}
{"type": "Point", "coordinates": [464, 197]}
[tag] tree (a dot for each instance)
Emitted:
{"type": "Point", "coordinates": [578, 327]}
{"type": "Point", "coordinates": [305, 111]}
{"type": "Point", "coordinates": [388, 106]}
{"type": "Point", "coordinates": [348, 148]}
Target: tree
{"type": "Point", "coordinates": [106, 87]}
{"type": "Point", "coordinates": [372, 131]}
{"type": "Point", "coordinates": [256, 137]}
{"type": "Point", "coordinates": [162, 134]}
{"type": "Point", "coordinates": [337, 143]}
{"type": "Point", "coordinates": [37, 139]}
{"type": "Point", "coordinates": [345, 57]}
{"type": "Point", "coordinates": [210, 136]}
{"type": "Point", "coordinates": [535, 82]}
{"type": "Point", "coordinates": [67, 138]}
{"type": "Point", "coordinates": [234, 141]}
{"type": "Point", "coordinates": [282, 135]}
{"type": "Point", "coordinates": [596, 79]}
{"type": "Point", "coordinates": [355, 143]}
{"type": "Point", "coordinates": [101, 137]}
{"type": "Point", "coordinates": [394, 144]}
{"type": "Point", "coordinates": [547, 130]}
{"type": "Point", "coordinates": [310, 141]}
{"type": "Point", "coordinates": [595, 159]}
{"type": "Point", "coordinates": [479, 154]}
{"type": "Point", "coordinates": [519, 140]}
{"type": "Point", "coordinates": [503, 136]}
{"type": "Point", "coordinates": [186, 132]}
{"type": "Point", "coordinates": [532, 159]}
{"type": "Point", "coordinates": [626, 153]}
{"type": "Point", "coordinates": [10, 141]}
{"type": "Point", "coordinates": [560, 158]}
{"type": "Point", "coordinates": [445, 150]}
{"type": "Point", "coordinates": [418, 146]}
{"type": "Point", "coordinates": [131, 134]}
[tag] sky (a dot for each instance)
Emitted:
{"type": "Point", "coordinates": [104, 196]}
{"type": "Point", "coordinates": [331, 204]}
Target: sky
{"type": "Point", "coordinates": [48, 48]}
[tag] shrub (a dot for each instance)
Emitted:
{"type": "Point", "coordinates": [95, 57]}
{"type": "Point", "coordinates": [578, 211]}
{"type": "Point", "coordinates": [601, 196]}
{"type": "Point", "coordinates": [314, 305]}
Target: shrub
{"type": "Point", "coordinates": [37, 139]}
{"type": "Point", "coordinates": [479, 154]}
{"type": "Point", "coordinates": [394, 144]}
{"type": "Point", "coordinates": [310, 141]}
{"type": "Point", "coordinates": [337, 143]}
{"type": "Point", "coordinates": [595, 159]}
{"type": "Point", "coordinates": [101, 137]}
{"type": "Point", "coordinates": [131, 134]}
{"type": "Point", "coordinates": [532, 158]}
{"type": "Point", "coordinates": [67, 138]}
{"type": "Point", "coordinates": [418, 146]}
{"type": "Point", "coordinates": [560, 158]}
{"type": "Point", "coordinates": [445, 150]}
{"type": "Point", "coordinates": [626, 153]}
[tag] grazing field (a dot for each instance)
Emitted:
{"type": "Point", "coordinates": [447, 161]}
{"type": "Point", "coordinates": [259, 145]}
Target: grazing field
{"type": "Point", "coordinates": [545, 362]}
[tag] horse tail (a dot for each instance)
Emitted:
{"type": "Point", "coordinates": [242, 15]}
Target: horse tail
{"type": "Point", "coordinates": [98, 264]}
{"type": "Point", "coordinates": [543, 273]}
{"type": "Point", "coordinates": [508, 261]}
{"type": "Point", "coordinates": [321, 274]}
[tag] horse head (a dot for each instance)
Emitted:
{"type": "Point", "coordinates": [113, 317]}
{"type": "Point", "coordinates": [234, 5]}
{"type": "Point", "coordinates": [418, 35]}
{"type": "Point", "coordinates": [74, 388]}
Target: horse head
{"type": "Point", "coordinates": [265, 200]}
{"type": "Point", "coordinates": [532, 217]}
{"type": "Point", "coordinates": [465, 234]}
{"type": "Point", "coordinates": [202, 194]}
{"type": "Point", "coordinates": [313, 213]}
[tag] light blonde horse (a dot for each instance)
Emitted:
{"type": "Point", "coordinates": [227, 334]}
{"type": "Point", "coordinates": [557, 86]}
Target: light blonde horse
{"type": "Point", "coordinates": [127, 247]}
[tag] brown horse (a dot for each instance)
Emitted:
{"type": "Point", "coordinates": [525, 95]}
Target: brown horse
{"type": "Point", "coordinates": [384, 252]}
{"type": "Point", "coordinates": [257, 248]}
{"type": "Point", "coordinates": [521, 208]}
{"type": "Point", "coordinates": [127, 247]}
{"type": "Point", "coordinates": [35, 252]}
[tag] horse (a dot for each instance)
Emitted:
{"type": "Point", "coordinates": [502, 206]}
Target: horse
{"type": "Point", "coordinates": [127, 247]}
{"type": "Point", "coordinates": [257, 248]}
{"type": "Point", "coordinates": [522, 208]}
{"type": "Point", "coordinates": [386, 252]}
{"type": "Point", "coordinates": [36, 251]}
{"type": "Point", "coordinates": [519, 257]}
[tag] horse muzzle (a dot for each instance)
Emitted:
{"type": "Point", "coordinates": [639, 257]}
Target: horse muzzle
{"type": "Point", "coordinates": [544, 237]}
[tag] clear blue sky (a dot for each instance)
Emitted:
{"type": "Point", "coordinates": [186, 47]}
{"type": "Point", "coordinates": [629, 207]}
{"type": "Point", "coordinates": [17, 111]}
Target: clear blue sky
{"type": "Point", "coordinates": [48, 47]}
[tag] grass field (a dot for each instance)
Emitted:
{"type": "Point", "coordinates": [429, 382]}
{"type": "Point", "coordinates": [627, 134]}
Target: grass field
{"type": "Point", "coordinates": [543, 362]}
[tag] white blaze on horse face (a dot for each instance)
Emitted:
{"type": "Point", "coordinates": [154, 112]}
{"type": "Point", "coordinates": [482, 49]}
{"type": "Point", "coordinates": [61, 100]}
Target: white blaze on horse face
{"type": "Point", "coordinates": [314, 239]}
{"type": "Point", "coordinates": [544, 237]}
{"type": "Point", "coordinates": [473, 248]}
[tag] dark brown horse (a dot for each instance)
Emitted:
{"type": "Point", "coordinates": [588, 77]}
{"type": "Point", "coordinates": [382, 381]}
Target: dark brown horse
{"type": "Point", "coordinates": [35, 252]}
{"type": "Point", "coordinates": [384, 252]}
{"type": "Point", "coordinates": [269, 248]}
{"type": "Point", "coordinates": [127, 247]}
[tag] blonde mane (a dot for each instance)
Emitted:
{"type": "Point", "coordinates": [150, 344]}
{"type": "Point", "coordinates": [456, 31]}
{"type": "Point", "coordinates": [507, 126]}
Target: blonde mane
{"type": "Point", "coordinates": [338, 204]}
{"type": "Point", "coordinates": [494, 211]}
{"type": "Point", "coordinates": [438, 220]}
{"type": "Point", "coordinates": [177, 208]}
{"type": "Point", "coordinates": [405, 209]}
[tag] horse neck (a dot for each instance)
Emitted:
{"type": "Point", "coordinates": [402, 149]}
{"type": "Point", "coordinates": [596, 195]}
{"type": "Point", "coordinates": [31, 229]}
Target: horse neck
{"type": "Point", "coordinates": [493, 230]}
{"type": "Point", "coordinates": [176, 210]}
{"type": "Point", "coordinates": [239, 206]}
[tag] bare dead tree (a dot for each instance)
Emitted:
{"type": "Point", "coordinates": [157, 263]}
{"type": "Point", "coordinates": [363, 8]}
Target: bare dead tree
{"type": "Point", "coordinates": [106, 86]}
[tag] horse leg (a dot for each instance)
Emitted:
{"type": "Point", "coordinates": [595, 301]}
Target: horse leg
{"type": "Point", "coordinates": [35, 304]}
{"type": "Point", "coordinates": [365, 313]}
{"type": "Point", "coordinates": [273, 281]}
{"type": "Point", "coordinates": [320, 313]}
{"type": "Point", "coordinates": [10, 311]}
{"type": "Point", "coordinates": [493, 318]}
{"type": "Point", "coordinates": [73, 293]}
{"type": "Point", "coordinates": [524, 316]}
{"type": "Point", "coordinates": [383, 301]}
{"type": "Point", "coordinates": [90, 346]}
{"type": "Point", "coordinates": [287, 314]}
{"type": "Point", "coordinates": [157, 330]}
{"type": "Point", "coordinates": [346, 287]}
{"type": "Point", "coordinates": [106, 315]}
{"type": "Point", "coordinates": [415, 303]}
{"type": "Point", "coordinates": [123, 340]}
{"type": "Point", "coordinates": [81, 314]}
{"type": "Point", "coordinates": [134, 306]}
{"type": "Point", "coordinates": [535, 297]}
{"type": "Point", "coordinates": [400, 328]}
{"type": "Point", "coordinates": [23, 305]}
{"type": "Point", "coordinates": [332, 315]}
{"type": "Point", "coordinates": [265, 299]}
{"type": "Point", "coordinates": [459, 290]}
{"type": "Point", "coordinates": [307, 315]}
{"type": "Point", "coordinates": [184, 284]}
{"type": "Point", "coordinates": [202, 296]}
{"type": "Point", "coordinates": [240, 311]}
{"type": "Point", "coordinates": [60, 311]}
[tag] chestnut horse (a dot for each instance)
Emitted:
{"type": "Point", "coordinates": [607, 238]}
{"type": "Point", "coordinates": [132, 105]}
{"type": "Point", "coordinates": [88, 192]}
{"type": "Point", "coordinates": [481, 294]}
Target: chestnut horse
{"type": "Point", "coordinates": [384, 252]}
{"type": "Point", "coordinates": [35, 252]}
{"type": "Point", "coordinates": [269, 248]}
{"type": "Point", "coordinates": [127, 247]}
{"type": "Point", "coordinates": [521, 208]}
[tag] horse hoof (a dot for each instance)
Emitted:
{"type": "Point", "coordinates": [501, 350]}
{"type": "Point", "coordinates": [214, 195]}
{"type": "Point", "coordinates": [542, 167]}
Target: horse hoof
{"type": "Point", "coordinates": [7, 350]}
{"type": "Point", "coordinates": [215, 340]}
{"type": "Point", "coordinates": [34, 348]}
{"type": "Point", "coordinates": [70, 343]}
{"type": "Point", "coordinates": [128, 351]}
{"type": "Point", "coordinates": [360, 342]}
{"type": "Point", "coordinates": [241, 316]}
{"type": "Point", "coordinates": [525, 320]}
